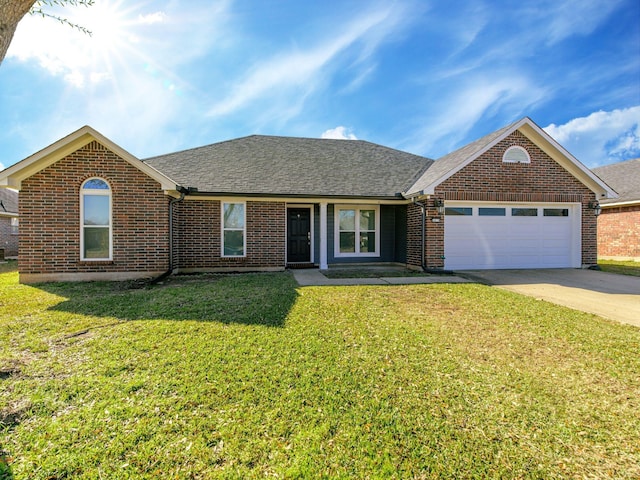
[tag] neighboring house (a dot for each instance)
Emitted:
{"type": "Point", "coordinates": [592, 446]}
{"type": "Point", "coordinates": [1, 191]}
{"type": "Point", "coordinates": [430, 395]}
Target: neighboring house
{"type": "Point", "coordinates": [9, 222]}
{"type": "Point", "coordinates": [91, 210]}
{"type": "Point", "coordinates": [619, 222]}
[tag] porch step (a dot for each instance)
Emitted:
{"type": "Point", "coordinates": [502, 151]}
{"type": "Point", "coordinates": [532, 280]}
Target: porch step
{"type": "Point", "coordinates": [298, 266]}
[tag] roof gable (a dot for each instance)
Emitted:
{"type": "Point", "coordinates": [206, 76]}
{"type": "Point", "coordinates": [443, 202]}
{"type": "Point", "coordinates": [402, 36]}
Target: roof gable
{"type": "Point", "coordinates": [450, 164]}
{"type": "Point", "coordinates": [290, 166]}
{"type": "Point", "coordinates": [12, 177]}
{"type": "Point", "coordinates": [625, 178]}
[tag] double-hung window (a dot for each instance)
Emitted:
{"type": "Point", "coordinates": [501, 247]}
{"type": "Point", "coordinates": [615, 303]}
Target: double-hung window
{"type": "Point", "coordinates": [95, 220]}
{"type": "Point", "coordinates": [14, 225]}
{"type": "Point", "coordinates": [233, 230]}
{"type": "Point", "coordinates": [357, 231]}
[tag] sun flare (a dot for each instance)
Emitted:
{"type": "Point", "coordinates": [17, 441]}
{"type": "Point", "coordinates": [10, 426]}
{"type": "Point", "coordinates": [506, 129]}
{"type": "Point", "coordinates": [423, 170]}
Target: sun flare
{"type": "Point", "coordinates": [109, 24]}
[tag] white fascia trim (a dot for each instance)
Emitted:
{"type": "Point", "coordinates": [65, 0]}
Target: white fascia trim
{"type": "Point", "coordinates": [12, 177]}
{"type": "Point", "coordinates": [297, 201]}
{"type": "Point", "coordinates": [9, 214]}
{"type": "Point", "coordinates": [527, 127]}
{"type": "Point", "coordinates": [430, 189]}
{"type": "Point", "coordinates": [573, 166]}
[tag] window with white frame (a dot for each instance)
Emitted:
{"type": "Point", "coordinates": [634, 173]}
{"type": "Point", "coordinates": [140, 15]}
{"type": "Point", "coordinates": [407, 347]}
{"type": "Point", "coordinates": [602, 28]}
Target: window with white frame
{"type": "Point", "coordinates": [14, 225]}
{"type": "Point", "coordinates": [95, 220]}
{"type": "Point", "coordinates": [516, 154]}
{"type": "Point", "coordinates": [357, 231]}
{"type": "Point", "coordinates": [233, 229]}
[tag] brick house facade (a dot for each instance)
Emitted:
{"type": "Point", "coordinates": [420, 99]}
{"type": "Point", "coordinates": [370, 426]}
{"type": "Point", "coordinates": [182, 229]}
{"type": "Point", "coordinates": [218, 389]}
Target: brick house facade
{"type": "Point", "coordinates": [9, 235]}
{"type": "Point", "coordinates": [9, 223]}
{"type": "Point", "coordinates": [50, 220]}
{"type": "Point", "coordinates": [197, 240]}
{"type": "Point", "coordinates": [200, 210]}
{"type": "Point", "coordinates": [619, 233]}
{"type": "Point", "coordinates": [619, 222]}
{"type": "Point", "coordinates": [489, 179]}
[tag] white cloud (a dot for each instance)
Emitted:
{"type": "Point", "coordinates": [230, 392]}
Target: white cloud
{"type": "Point", "coordinates": [129, 91]}
{"type": "Point", "coordinates": [151, 18]}
{"type": "Point", "coordinates": [601, 137]}
{"type": "Point", "coordinates": [575, 17]}
{"type": "Point", "coordinates": [121, 38]}
{"type": "Point", "coordinates": [297, 74]}
{"type": "Point", "coordinates": [338, 133]}
{"type": "Point", "coordinates": [479, 96]}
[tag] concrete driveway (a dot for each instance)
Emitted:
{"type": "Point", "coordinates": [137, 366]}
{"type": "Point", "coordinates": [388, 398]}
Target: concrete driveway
{"type": "Point", "coordinates": [609, 295]}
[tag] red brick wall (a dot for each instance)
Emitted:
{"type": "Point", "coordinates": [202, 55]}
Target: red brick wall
{"type": "Point", "coordinates": [197, 236]}
{"type": "Point", "coordinates": [619, 232]}
{"type": "Point", "coordinates": [434, 236]}
{"type": "Point", "coordinates": [489, 179]}
{"type": "Point", "coordinates": [50, 216]}
{"type": "Point", "coordinates": [8, 240]}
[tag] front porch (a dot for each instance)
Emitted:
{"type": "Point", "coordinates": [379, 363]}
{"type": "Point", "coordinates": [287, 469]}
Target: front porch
{"type": "Point", "coordinates": [325, 234]}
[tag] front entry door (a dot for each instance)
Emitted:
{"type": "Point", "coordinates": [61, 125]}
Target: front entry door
{"type": "Point", "coordinates": [299, 235]}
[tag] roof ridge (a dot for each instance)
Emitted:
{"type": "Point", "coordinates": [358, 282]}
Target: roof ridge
{"type": "Point", "coordinates": [286, 137]}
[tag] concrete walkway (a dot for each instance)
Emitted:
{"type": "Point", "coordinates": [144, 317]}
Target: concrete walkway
{"type": "Point", "coordinates": [313, 277]}
{"type": "Point", "coordinates": [609, 295]}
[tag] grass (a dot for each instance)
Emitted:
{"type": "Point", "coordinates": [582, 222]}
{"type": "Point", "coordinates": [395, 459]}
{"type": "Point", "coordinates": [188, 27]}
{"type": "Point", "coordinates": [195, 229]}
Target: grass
{"type": "Point", "coordinates": [250, 376]}
{"type": "Point", "coordinates": [621, 267]}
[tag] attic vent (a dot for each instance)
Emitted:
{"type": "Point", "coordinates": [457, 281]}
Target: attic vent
{"type": "Point", "coordinates": [516, 154]}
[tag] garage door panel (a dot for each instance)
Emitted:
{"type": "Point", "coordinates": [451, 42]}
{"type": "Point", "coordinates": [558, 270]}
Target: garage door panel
{"type": "Point", "coordinates": [534, 241]}
{"type": "Point", "coordinates": [523, 245]}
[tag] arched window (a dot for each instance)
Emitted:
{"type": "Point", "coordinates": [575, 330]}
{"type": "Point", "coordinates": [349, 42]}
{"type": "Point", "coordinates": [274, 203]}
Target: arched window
{"type": "Point", "coordinates": [95, 220]}
{"type": "Point", "coordinates": [516, 154]}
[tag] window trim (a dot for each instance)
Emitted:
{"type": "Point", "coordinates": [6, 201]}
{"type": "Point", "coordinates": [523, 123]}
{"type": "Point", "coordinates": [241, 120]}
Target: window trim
{"type": "Point", "coordinates": [336, 234]}
{"type": "Point", "coordinates": [223, 229]}
{"type": "Point", "coordinates": [14, 226]}
{"type": "Point", "coordinates": [96, 192]}
{"type": "Point", "coordinates": [519, 148]}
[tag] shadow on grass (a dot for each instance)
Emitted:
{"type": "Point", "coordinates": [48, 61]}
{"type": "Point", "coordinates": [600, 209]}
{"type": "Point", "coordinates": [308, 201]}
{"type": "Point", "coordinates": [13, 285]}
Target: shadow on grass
{"type": "Point", "coordinates": [5, 469]}
{"type": "Point", "coordinates": [250, 299]}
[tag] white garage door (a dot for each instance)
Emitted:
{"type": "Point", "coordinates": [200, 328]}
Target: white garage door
{"type": "Point", "coordinates": [490, 235]}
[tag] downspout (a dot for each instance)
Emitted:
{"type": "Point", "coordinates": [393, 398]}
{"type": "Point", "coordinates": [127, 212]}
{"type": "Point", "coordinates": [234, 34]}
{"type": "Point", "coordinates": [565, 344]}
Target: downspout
{"type": "Point", "coordinates": [423, 213]}
{"type": "Point", "coordinates": [440, 271]}
{"type": "Point", "coordinates": [183, 191]}
{"type": "Point", "coordinates": [175, 200]}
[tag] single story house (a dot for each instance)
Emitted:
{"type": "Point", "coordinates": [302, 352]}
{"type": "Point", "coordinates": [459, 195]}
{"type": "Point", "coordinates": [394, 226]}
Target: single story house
{"type": "Point", "coordinates": [512, 199]}
{"type": "Point", "coordinates": [8, 223]}
{"type": "Point", "coordinates": [619, 222]}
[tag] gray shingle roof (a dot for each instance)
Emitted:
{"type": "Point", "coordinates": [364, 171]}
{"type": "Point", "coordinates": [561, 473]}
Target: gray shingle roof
{"type": "Point", "coordinates": [624, 178]}
{"type": "Point", "coordinates": [9, 199]}
{"type": "Point", "coordinates": [269, 165]}
{"type": "Point", "coordinates": [453, 160]}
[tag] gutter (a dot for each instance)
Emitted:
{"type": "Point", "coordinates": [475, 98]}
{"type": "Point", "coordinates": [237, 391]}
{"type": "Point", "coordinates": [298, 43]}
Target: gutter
{"type": "Point", "coordinates": [183, 192]}
{"type": "Point", "coordinates": [396, 197]}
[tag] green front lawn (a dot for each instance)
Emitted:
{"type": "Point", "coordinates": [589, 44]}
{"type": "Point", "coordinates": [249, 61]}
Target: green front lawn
{"type": "Point", "coordinates": [622, 267]}
{"type": "Point", "coordinates": [250, 376]}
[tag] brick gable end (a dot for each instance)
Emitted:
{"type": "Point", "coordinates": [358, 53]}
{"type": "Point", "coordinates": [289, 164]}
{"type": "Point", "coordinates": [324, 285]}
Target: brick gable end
{"type": "Point", "coordinates": [50, 216]}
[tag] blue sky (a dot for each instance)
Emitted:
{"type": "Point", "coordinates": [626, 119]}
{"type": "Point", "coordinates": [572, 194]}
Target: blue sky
{"type": "Point", "coordinates": [422, 76]}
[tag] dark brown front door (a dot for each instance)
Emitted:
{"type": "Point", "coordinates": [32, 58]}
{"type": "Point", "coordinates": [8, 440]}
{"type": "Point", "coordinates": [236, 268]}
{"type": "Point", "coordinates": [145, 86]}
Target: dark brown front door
{"type": "Point", "coordinates": [299, 235]}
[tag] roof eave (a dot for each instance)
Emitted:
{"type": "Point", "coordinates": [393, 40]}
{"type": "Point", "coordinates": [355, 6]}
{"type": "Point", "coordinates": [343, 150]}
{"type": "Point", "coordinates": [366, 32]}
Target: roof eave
{"type": "Point", "coordinates": [364, 198]}
{"type": "Point", "coordinates": [13, 176]}
{"type": "Point", "coordinates": [547, 144]}
{"type": "Point", "coordinates": [570, 163]}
